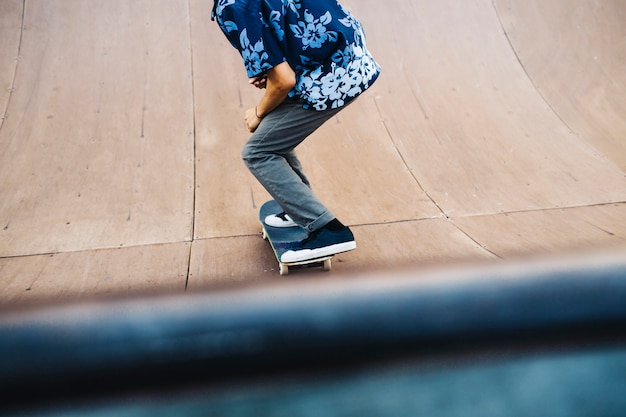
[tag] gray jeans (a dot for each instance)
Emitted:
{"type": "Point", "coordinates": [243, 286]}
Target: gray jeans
{"type": "Point", "coordinates": [270, 155]}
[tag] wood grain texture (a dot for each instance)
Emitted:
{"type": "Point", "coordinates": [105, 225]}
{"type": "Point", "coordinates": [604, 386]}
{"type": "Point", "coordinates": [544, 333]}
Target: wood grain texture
{"type": "Point", "coordinates": [10, 33]}
{"type": "Point", "coordinates": [98, 149]}
{"type": "Point", "coordinates": [574, 53]}
{"type": "Point", "coordinates": [152, 269]}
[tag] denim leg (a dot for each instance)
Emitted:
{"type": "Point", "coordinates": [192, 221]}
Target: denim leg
{"type": "Point", "coordinates": [294, 162]}
{"type": "Point", "coordinates": [269, 154]}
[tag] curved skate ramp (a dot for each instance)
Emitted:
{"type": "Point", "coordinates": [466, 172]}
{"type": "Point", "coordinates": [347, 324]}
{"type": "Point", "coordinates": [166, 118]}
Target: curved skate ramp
{"type": "Point", "coordinates": [574, 54]}
{"type": "Point", "coordinates": [496, 130]}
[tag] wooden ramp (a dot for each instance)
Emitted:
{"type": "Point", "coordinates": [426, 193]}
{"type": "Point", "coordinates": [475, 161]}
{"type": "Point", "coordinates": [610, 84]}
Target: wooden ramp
{"type": "Point", "coordinates": [496, 131]}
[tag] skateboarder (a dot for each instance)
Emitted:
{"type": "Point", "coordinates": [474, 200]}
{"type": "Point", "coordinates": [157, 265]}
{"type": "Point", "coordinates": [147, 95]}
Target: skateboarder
{"type": "Point", "coordinates": [310, 57]}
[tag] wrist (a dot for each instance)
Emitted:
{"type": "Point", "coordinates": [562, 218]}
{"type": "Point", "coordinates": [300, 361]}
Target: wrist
{"type": "Point", "coordinates": [256, 113]}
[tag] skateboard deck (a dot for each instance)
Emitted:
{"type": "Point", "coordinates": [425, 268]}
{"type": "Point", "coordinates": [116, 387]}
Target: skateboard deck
{"type": "Point", "coordinates": [283, 238]}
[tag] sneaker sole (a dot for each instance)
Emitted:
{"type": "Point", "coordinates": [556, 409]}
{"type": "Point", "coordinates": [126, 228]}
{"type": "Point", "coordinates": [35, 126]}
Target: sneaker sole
{"type": "Point", "coordinates": [310, 254]}
{"type": "Point", "coordinates": [282, 225]}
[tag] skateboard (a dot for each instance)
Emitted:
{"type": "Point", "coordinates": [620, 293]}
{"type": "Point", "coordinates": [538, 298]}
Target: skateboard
{"type": "Point", "coordinates": [282, 237]}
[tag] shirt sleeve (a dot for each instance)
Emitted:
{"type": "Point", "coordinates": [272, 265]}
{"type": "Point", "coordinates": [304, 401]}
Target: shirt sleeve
{"type": "Point", "coordinates": [257, 39]}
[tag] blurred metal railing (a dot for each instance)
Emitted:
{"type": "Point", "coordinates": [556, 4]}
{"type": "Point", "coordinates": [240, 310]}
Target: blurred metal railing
{"type": "Point", "coordinates": [66, 353]}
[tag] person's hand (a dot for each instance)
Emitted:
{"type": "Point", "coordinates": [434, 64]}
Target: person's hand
{"type": "Point", "coordinates": [260, 81]}
{"type": "Point", "coordinates": [278, 82]}
{"type": "Point", "coordinates": [252, 119]}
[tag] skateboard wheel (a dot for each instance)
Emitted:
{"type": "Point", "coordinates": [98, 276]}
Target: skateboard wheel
{"type": "Point", "coordinates": [284, 269]}
{"type": "Point", "coordinates": [327, 264]}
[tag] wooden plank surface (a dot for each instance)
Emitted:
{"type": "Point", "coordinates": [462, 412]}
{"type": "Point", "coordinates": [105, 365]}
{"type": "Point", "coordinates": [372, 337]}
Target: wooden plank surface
{"type": "Point", "coordinates": [138, 270]}
{"type": "Point", "coordinates": [467, 119]}
{"type": "Point", "coordinates": [10, 31]}
{"type": "Point", "coordinates": [574, 53]}
{"type": "Point", "coordinates": [227, 196]}
{"type": "Point", "coordinates": [382, 248]}
{"type": "Point", "coordinates": [231, 260]}
{"type": "Point", "coordinates": [98, 150]}
{"type": "Point", "coordinates": [546, 232]}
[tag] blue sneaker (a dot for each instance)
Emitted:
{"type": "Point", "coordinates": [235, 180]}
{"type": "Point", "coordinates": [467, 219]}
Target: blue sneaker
{"type": "Point", "coordinates": [323, 242]}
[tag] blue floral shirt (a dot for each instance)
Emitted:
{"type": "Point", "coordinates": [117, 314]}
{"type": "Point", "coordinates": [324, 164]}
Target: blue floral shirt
{"type": "Point", "coordinates": [320, 39]}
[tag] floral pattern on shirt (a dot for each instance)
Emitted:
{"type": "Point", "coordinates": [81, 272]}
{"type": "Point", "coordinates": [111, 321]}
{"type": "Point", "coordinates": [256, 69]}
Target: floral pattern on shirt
{"type": "Point", "coordinates": [320, 39]}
